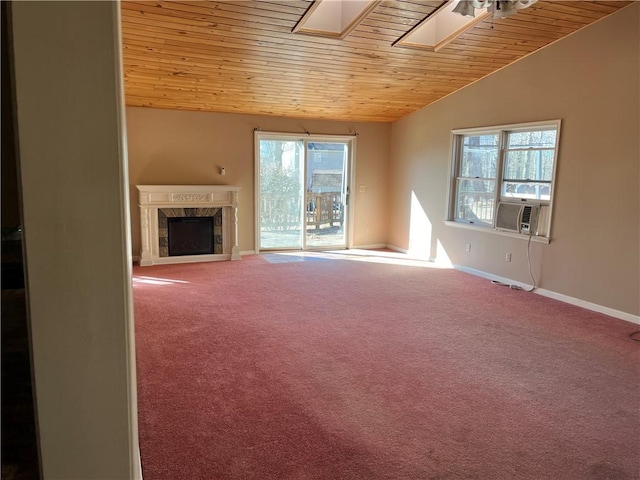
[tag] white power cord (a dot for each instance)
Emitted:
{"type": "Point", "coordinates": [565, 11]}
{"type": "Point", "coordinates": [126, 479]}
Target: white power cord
{"type": "Point", "coordinates": [533, 280]}
{"type": "Point", "coordinates": [518, 287]}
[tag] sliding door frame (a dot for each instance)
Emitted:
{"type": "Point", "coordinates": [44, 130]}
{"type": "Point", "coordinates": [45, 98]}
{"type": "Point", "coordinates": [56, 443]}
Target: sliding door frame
{"type": "Point", "coordinates": [306, 138]}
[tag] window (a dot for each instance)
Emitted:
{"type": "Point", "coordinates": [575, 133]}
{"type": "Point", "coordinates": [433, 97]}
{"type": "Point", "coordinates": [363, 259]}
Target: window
{"type": "Point", "coordinates": [512, 164]}
{"type": "Point", "coordinates": [528, 164]}
{"type": "Point", "coordinates": [477, 175]}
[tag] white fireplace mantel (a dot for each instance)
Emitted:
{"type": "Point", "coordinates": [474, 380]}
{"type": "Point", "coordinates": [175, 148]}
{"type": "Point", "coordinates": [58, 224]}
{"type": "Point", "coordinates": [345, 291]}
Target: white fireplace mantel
{"type": "Point", "coordinates": [155, 197]}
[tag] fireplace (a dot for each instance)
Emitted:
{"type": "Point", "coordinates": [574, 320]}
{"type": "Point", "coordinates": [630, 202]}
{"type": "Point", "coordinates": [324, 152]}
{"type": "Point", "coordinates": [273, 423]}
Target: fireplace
{"type": "Point", "coordinates": [184, 223]}
{"type": "Point", "coordinates": [190, 236]}
{"type": "Point", "coordinates": [190, 231]}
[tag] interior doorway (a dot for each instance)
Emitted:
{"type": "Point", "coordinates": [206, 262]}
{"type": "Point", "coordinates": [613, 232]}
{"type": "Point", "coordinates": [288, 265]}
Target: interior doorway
{"type": "Point", "coordinates": [20, 443]}
{"type": "Point", "coordinates": [302, 191]}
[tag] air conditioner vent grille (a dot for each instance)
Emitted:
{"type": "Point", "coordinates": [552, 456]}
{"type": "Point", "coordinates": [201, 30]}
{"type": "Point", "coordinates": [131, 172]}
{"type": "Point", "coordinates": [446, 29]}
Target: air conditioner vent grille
{"type": "Point", "coordinates": [518, 218]}
{"type": "Point", "coordinates": [508, 217]}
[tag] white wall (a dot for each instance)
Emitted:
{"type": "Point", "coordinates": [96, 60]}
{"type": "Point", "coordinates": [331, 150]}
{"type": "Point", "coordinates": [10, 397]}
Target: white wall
{"type": "Point", "coordinates": [73, 177]}
{"type": "Point", "coordinates": [591, 81]}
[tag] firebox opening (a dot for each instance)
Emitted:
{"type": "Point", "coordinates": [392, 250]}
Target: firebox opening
{"type": "Point", "coordinates": [190, 236]}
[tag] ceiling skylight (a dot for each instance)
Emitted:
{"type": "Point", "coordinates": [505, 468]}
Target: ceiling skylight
{"type": "Point", "coordinates": [334, 18]}
{"type": "Point", "coordinates": [438, 29]}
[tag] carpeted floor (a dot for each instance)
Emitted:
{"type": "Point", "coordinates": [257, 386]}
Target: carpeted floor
{"type": "Point", "coordinates": [327, 368]}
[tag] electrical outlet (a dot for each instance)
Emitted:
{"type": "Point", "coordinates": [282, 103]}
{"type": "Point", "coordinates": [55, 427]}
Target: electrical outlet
{"type": "Point", "coordinates": [508, 257]}
{"type": "Point", "coordinates": [468, 248]}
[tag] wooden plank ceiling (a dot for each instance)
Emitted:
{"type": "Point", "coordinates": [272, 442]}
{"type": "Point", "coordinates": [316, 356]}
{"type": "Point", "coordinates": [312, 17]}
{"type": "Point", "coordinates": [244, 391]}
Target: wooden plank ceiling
{"type": "Point", "coordinates": [241, 57]}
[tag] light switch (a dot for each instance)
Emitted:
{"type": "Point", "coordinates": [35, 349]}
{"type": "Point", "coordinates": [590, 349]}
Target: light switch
{"type": "Point", "coordinates": [362, 188]}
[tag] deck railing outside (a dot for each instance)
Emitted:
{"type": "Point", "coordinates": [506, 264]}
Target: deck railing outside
{"type": "Point", "coordinates": [281, 212]}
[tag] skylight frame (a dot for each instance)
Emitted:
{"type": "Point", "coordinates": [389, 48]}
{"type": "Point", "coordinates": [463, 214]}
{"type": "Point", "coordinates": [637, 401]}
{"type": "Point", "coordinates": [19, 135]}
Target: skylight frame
{"type": "Point", "coordinates": [444, 11]}
{"type": "Point", "coordinates": [342, 31]}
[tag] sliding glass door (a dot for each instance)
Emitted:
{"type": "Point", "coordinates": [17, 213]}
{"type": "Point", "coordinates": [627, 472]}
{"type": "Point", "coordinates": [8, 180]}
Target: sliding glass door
{"type": "Point", "coordinates": [302, 191]}
{"type": "Point", "coordinates": [281, 199]}
{"type": "Point", "coordinates": [326, 195]}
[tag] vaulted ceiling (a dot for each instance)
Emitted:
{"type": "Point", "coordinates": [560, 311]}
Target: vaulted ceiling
{"type": "Point", "coordinates": [242, 57]}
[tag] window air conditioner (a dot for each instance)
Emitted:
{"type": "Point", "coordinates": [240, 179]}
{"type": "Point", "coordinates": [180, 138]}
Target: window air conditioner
{"type": "Point", "coordinates": [517, 217]}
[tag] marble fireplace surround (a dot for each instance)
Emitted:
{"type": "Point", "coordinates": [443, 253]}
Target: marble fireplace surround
{"type": "Point", "coordinates": [200, 198]}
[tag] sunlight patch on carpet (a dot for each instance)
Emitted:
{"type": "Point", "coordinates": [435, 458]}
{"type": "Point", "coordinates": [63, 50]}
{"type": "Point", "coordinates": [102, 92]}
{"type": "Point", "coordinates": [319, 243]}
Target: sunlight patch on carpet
{"type": "Point", "coordinates": [138, 279]}
{"type": "Point", "coordinates": [356, 255]}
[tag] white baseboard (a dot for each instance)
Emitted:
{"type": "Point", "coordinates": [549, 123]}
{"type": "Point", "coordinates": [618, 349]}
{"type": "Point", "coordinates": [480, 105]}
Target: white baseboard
{"type": "Point", "coordinates": [556, 296]}
{"type": "Point", "coordinates": [490, 276]}
{"type": "Point", "coordinates": [589, 305]}
{"type": "Point", "coordinates": [412, 256]}
{"type": "Point", "coordinates": [247, 252]}
{"type": "Point", "coordinates": [369, 247]}
{"type": "Point", "coordinates": [397, 249]}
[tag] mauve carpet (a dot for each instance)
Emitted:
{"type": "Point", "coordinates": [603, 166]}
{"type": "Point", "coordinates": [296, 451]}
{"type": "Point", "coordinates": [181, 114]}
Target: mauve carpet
{"type": "Point", "coordinates": [335, 369]}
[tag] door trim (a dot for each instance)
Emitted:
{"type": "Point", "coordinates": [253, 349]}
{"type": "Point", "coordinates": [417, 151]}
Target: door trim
{"type": "Point", "coordinates": [305, 138]}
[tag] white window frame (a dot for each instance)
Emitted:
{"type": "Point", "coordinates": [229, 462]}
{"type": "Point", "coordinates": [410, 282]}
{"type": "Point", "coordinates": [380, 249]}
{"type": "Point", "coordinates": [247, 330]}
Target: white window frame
{"type": "Point", "coordinates": [454, 169]}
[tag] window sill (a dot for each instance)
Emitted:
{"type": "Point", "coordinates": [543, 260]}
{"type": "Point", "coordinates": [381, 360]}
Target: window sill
{"type": "Point", "coordinates": [490, 230]}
